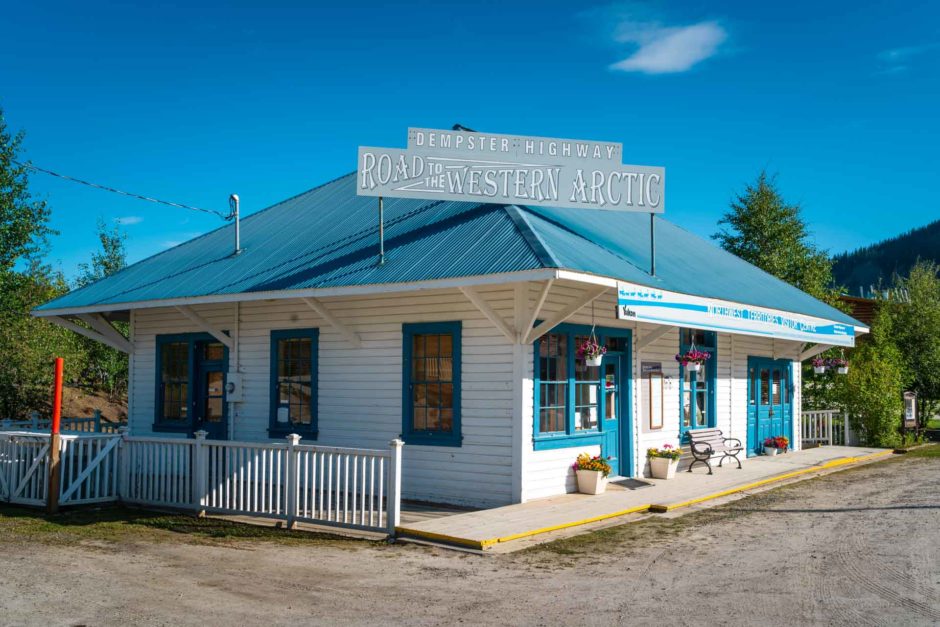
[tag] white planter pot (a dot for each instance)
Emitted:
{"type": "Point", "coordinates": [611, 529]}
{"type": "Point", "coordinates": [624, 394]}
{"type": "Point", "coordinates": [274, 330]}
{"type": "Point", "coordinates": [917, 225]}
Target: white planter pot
{"type": "Point", "coordinates": [842, 370]}
{"type": "Point", "coordinates": [694, 367]}
{"type": "Point", "coordinates": [819, 369]}
{"type": "Point", "coordinates": [770, 451]}
{"type": "Point", "coordinates": [591, 482]}
{"type": "Point", "coordinates": [593, 361]}
{"type": "Point", "coordinates": [663, 467]}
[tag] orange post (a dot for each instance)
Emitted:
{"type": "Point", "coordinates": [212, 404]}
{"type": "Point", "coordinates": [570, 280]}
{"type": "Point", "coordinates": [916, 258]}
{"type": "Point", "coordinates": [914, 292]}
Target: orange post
{"type": "Point", "coordinates": [52, 500]}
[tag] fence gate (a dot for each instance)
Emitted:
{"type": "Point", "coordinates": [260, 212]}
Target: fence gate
{"type": "Point", "coordinates": [24, 468]}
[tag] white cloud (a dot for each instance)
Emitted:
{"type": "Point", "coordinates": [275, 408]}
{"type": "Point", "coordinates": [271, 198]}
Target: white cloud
{"type": "Point", "coordinates": [896, 60]}
{"type": "Point", "coordinates": [668, 49]}
{"type": "Point", "coordinates": [127, 220]}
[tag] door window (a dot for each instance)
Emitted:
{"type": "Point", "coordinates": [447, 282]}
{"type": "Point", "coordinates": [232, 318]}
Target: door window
{"type": "Point", "coordinates": [213, 393]}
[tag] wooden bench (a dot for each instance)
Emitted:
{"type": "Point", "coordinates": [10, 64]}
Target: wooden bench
{"type": "Point", "coordinates": [707, 442]}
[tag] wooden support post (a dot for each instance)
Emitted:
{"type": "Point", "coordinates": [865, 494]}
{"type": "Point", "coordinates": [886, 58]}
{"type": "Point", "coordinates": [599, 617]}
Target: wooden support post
{"type": "Point", "coordinates": [394, 487]}
{"type": "Point", "coordinates": [200, 473]}
{"type": "Point", "coordinates": [293, 492]}
{"type": "Point", "coordinates": [52, 498]}
{"type": "Point", "coordinates": [97, 421]}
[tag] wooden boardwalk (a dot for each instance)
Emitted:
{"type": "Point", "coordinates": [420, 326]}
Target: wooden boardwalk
{"type": "Point", "coordinates": [485, 529]}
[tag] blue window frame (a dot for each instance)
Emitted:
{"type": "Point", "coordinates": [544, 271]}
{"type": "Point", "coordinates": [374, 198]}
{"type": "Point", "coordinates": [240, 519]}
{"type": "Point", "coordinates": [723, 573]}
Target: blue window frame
{"type": "Point", "coordinates": [697, 389]}
{"type": "Point", "coordinates": [567, 394]}
{"type": "Point", "coordinates": [294, 382]}
{"type": "Point", "coordinates": [176, 386]}
{"type": "Point", "coordinates": [431, 383]}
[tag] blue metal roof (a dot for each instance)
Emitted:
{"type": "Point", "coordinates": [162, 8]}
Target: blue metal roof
{"type": "Point", "coordinates": [327, 237]}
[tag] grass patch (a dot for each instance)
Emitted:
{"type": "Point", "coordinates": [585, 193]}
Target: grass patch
{"type": "Point", "coordinates": [924, 451]}
{"type": "Point", "coordinates": [122, 525]}
{"type": "Point", "coordinates": [933, 423]}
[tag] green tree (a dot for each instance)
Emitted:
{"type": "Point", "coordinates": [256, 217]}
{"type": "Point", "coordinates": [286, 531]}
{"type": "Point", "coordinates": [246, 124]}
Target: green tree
{"type": "Point", "coordinates": [770, 233]}
{"type": "Point", "coordinates": [105, 368]}
{"type": "Point", "coordinates": [916, 332]}
{"type": "Point", "coordinates": [872, 391]}
{"type": "Point", "coordinates": [109, 259]}
{"type": "Point", "coordinates": [23, 219]}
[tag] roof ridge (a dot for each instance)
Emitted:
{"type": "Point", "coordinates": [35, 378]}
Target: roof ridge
{"type": "Point", "coordinates": [539, 248]}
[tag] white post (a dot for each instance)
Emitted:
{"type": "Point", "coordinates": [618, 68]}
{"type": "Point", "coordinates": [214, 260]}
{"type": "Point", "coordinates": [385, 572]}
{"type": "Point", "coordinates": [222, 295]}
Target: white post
{"type": "Point", "coordinates": [394, 487]}
{"type": "Point", "coordinates": [200, 479]}
{"type": "Point", "coordinates": [293, 492]}
{"type": "Point", "coordinates": [124, 465]}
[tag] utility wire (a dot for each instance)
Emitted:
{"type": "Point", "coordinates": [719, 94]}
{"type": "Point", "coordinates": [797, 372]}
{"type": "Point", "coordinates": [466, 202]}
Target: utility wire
{"type": "Point", "coordinates": [117, 191]}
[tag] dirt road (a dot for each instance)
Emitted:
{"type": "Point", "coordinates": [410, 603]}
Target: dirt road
{"type": "Point", "coordinates": [859, 547]}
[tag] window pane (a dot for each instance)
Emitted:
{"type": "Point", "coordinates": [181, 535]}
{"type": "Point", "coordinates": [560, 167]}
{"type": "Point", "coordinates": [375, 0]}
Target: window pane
{"type": "Point", "coordinates": [764, 387]}
{"type": "Point", "coordinates": [213, 351]}
{"type": "Point", "coordinates": [686, 408]}
{"type": "Point", "coordinates": [776, 388]}
{"type": "Point", "coordinates": [213, 409]}
{"type": "Point", "coordinates": [701, 415]}
{"type": "Point", "coordinates": [174, 374]}
{"type": "Point", "coordinates": [295, 379]}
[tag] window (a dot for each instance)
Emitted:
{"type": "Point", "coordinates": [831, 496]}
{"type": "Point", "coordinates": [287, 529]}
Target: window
{"type": "Point", "coordinates": [294, 382]}
{"type": "Point", "coordinates": [697, 389]}
{"type": "Point", "coordinates": [431, 383]}
{"type": "Point", "coordinates": [174, 383]}
{"type": "Point", "coordinates": [570, 396]}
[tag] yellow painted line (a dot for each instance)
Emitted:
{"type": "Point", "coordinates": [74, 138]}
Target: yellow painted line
{"type": "Point", "coordinates": [440, 537]}
{"type": "Point", "coordinates": [576, 523]}
{"type": "Point", "coordinates": [788, 475]}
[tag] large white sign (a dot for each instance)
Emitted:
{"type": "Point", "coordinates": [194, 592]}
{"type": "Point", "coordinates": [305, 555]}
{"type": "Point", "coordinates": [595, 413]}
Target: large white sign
{"type": "Point", "coordinates": [511, 169]}
{"type": "Point", "coordinates": [646, 304]}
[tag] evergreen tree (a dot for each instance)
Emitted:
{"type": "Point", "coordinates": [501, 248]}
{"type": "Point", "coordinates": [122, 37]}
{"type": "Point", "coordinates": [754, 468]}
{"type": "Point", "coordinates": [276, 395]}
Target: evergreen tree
{"type": "Point", "coordinates": [765, 230]}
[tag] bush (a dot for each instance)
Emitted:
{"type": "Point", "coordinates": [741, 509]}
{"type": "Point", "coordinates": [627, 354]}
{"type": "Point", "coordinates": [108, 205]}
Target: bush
{"type": "Point", "coordinates": [871, 393]}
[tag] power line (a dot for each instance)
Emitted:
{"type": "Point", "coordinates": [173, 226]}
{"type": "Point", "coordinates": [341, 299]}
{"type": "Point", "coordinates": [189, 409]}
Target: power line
{"type": "Point", "coordinates": [118, 191]}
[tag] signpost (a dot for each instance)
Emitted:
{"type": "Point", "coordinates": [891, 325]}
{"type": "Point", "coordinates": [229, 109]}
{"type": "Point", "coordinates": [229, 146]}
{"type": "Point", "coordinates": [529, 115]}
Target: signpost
{"type": "Point", "coordinates": [511, 169]}
{"type": "Point", "coordinates": [647, 304]}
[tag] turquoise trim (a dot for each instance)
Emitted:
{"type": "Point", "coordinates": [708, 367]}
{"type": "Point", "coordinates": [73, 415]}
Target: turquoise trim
{"type": "Point", "coordinates": [572, 438]}
{"type": "Point", "coordinates": [711, 374]}
{"type": "Point", "coordinates": [430, 437]}
{"type": "Point", "coordinates": [276, 430]}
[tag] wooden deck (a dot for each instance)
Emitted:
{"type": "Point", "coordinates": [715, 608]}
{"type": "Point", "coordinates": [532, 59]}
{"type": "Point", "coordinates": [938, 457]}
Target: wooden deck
{"type": "Point", "coordinates": [502, 527]}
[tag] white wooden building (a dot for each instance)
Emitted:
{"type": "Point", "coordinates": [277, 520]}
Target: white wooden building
{"type": "Point", "coordinates": [461, 343]}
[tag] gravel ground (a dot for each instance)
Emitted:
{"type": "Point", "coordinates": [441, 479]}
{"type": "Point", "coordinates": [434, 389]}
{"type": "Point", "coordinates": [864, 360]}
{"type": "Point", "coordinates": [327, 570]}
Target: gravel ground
{"type": "Point", "coordinates": [857, 547]}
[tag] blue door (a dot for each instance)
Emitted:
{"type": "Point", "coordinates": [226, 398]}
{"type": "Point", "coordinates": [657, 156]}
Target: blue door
{"type": "Point", "coordinates": [210, 412]}
{"type": "Point", "coordinates": [769, 402]}
{"type": "Point", "coordinates": [612, 411]}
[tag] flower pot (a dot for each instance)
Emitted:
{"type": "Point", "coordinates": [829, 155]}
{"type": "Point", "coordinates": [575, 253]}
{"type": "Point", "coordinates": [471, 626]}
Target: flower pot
{"type": "Point", "coordinates": [663, 467]}
{"type": "Point", "coordinates": [593, 361]}
{"type": "Point", "coordinates": [694, 366]}
{"type": "Point", "coordinates": [591, 482]}
{"type": "Point", "coordinates": [770, 451]}
{"type": "Point", "coordinates": [819, 369]}
{"type": "Point", "coordinates": [842, 370]}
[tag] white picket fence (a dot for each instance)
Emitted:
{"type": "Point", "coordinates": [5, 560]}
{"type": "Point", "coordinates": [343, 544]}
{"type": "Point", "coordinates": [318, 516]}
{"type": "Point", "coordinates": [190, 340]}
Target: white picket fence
{"type": "Point", "coordinates": [347, 487]}
{"type": "Point", "coordinates": [825, 426]}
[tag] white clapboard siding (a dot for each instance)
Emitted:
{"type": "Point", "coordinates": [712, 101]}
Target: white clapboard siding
{"type": "Point", "coordinates": [360, 389]}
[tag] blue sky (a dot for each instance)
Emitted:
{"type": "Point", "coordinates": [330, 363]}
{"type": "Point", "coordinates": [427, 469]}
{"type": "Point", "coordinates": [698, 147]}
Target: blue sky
{"type": "Point", "coordinates": [194, 103]}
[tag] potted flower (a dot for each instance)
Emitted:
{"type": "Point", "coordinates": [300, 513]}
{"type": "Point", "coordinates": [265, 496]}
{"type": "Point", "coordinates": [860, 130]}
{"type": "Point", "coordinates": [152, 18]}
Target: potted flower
{"type": "Point", "coordinates": [592, 473]}
{"type": "Point", "coordinates": [776, 444]}
{"type": "Point", "coordinates": [693, 359]}
{"type": "Point", "coordinates": [591, 352]}
{"type": "Point", "coordinates": [819, 365]}
{"type": "Point", "coordinates": [664, 461]}
{"type": "Point", "coordinates": [840, 364]}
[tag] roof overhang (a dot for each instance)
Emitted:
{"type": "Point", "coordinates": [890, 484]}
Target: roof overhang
{"type": "Point", "coordinates": [382, 288]}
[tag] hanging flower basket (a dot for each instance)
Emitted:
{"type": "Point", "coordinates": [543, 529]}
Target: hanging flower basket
{"type": "Point", "coordinates": [840, 364]}
{"type": "Point", "coordinates": [591, 352]}
{"type": "Point", "coordinates": [693, 360]}
{"type": "Point", "coordinates": [819, 365]}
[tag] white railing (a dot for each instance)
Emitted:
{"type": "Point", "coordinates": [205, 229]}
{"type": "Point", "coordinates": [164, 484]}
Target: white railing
{"type": "Point", "coordinates": [89, 469]}
{"type": "Point", "coordinates": [157, 471]}
{"type": "Point", "coordinates": [825, 426]}
{"type": "Point", "coordinates": [24, 465]}
{"type": "Point", "coordinates": [358, 488]}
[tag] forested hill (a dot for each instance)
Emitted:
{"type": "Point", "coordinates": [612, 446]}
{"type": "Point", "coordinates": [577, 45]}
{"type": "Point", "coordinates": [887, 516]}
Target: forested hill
{"type": "Point", "coordinates": [879, 262]}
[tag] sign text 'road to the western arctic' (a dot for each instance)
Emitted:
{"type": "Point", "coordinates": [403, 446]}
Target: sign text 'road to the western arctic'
{"type": "Point", "coordinates": [511, 169]}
